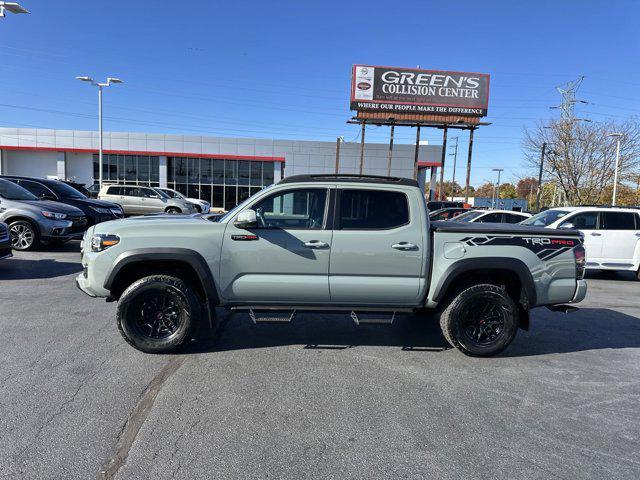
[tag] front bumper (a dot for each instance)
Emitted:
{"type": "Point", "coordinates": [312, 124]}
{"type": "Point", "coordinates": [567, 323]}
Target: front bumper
{"type": "Point", "coordinates": [581, 291]}
{"type": "Point", "coordinates": [63, 229]}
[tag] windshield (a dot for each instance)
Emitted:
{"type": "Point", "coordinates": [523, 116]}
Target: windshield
{"type": "Point", "coordinates": [173, 194]}
{"type": "Point", "coordinates": [64, 191]}
{"type": "Point", "coordinates": [11, 191]}
{"type": "Point", "coordinates": [545, 218]}
{"type": "Point", "coordinates": [467, 217]}
{"type": "Point", "coordinates": [161, 193]}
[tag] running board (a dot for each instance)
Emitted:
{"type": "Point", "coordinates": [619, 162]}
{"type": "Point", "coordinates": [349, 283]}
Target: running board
{"type": "Point", "coordinates": [373, 318]}
{"type": "Point", "coordinates": [271, 316]}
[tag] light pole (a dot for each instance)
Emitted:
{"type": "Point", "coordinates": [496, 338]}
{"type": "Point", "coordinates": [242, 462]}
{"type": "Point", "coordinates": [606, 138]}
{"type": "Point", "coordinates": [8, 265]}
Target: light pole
{"type": "Point", "coordinates": [455, 158]}
{"type": "Point", "coordinates": [499, 170]}
{"type": "Point", "coordinates": [12, 7]}
{"type": "Point", "coordinates": [110, 81]}
{"type": "Point", "coordinates": [615, 175]}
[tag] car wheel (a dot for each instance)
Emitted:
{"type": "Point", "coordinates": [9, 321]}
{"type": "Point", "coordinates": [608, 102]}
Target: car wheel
{"type": "Point", "coordinates": [481, 320]}
{"type": "Point", "coordinates": [24, 236]}
{"type": "Point", "coordinates": [173, 211]}
{"type": "Point", "coordinates": [158, 314]}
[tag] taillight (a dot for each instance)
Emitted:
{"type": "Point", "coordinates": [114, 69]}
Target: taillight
{"type": "Point", "coordinates": [579, 255]}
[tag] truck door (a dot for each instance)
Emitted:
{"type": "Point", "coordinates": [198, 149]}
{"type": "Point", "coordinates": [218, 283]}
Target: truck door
{"type": "Point", "coordinates": [284, 260]}
{"type": "Point", "coordinates": [378, 254]}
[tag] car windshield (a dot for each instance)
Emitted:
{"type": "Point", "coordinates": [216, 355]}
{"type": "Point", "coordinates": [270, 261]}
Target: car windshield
{"type": "Point", "coordinates": [467, 217]}
{"type": "Point", "coordinates": [545, 218]}
{"type": "Point", "coordinates": [161, 193]}
{"type": "Point", "coordinates": [81, 188]}
{"type": "Point", "coordinates": [174, 194]}
{"type": "Point", "coordinates": [11, 191]}
{"type": "Point", "coordinates": [64, 191]}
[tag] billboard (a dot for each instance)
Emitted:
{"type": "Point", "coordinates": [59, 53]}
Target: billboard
{"type": "Point", "coordinates": [410, 90]}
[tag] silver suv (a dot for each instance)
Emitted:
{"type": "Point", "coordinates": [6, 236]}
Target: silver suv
{"type": "Point", "coordinates": [32, 220]}
{"type": "Point", "coordinates": [137, 200]}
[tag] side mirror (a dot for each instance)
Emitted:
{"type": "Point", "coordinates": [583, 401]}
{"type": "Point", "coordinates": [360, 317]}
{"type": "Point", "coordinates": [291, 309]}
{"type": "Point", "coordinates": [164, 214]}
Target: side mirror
{"type": "Point", "coordinates": [246, 219]}
{"type": "Point", "coordinates": [567, 226]}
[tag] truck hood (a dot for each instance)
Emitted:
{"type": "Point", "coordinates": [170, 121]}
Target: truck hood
{"type": "Point", "coordinates": [156, 223]}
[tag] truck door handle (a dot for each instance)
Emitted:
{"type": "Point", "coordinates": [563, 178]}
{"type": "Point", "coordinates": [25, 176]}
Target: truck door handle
{"type": "Point", "coordinates": [404, 246]}
{"type": "Point", "coordinates": [595, 234]}
{"type": "Point", "coordinates": [316, 244]}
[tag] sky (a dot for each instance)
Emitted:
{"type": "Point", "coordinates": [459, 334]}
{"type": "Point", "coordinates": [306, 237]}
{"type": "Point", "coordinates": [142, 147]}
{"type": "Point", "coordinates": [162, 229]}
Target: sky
{"type": "Point", "coordinates": [281, 69]}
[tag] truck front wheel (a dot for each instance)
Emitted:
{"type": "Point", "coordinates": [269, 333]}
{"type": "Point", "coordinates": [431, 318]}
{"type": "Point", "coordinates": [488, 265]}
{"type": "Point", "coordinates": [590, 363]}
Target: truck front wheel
{"type": "Point", "coordinates": [158, 314]}
{"type": "Point", "coordinates": [480, 321]}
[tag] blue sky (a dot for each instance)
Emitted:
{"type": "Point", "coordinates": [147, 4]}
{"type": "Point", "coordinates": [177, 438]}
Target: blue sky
{"type": "Point", "coordinates": [280, 69]}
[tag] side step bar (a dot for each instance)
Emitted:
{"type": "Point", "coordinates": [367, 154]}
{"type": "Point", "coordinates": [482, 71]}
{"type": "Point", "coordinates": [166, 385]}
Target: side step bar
{"type": "Point", "coordinates": [362, 316]}
{"type": "Point", "coordinates": [271, 316]}
{"type": "Point", "coordinates": [372, 318]}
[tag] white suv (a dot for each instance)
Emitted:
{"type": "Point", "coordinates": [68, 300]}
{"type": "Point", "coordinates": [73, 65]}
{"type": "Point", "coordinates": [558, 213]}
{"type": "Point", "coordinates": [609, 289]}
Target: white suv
{"type": "Point", "coordinates": [611, 234]}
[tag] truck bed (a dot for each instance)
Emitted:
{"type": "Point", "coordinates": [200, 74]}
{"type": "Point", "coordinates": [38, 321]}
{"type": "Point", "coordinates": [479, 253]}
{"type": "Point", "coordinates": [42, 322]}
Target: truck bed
{"type": "Point", "coordinates": [505, 228]}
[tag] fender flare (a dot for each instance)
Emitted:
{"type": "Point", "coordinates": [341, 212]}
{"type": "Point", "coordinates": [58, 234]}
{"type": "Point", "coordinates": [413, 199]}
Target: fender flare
{"type": "Point", "coordinates": [188, 256]}
{"type": "Point", "coordinates": [487, 263]}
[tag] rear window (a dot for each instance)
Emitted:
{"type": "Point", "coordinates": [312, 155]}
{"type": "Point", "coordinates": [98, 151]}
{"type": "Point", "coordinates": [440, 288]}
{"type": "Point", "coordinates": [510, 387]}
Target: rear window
{"type": "Point", "coordinates": [114, 191]}
{"type": "Point", "coordinates": [619, 221]}
{"type": "Point", "coordinates": [372, 209]}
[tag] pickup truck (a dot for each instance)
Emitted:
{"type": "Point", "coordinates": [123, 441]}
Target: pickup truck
{"type": "Point", "coordinates": [362, 245]}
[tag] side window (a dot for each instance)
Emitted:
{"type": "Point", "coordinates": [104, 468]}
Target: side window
{"type": "Point", "coordinates": [302, 208]}
{"type": "Point", "coordinates": [114, 191]}
{"type": "Point", "coordinates": [130, 191]}
{"type": "Point", "coordinates": [372, 209]}
{"type": "Point", "coordinates": [148, 193]}
{"type": "Point", "coordinates": [36, 188]}
{"type": "Point", "coordinates": [583, 221]}
{"type": "Point", "coordinates": [618, 221]}
{"type": "Point", "coordinates": [490, 218]}
{"type": "Point", "coordinates": [513, 218]}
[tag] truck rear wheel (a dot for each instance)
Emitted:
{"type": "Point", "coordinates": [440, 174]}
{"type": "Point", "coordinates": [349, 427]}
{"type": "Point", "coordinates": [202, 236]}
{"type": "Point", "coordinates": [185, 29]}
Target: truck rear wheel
{"type": "Point", "coordinates": [480, 321]}
{"type": "Point", "coordinates": [158, 314]}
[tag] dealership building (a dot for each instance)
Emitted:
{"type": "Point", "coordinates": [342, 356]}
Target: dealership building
{"type": "Point", "coordinates": [221, 170]}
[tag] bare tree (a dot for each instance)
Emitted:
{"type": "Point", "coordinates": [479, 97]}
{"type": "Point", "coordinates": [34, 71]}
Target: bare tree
{"type": "Point", "coordinates": [580, 156]}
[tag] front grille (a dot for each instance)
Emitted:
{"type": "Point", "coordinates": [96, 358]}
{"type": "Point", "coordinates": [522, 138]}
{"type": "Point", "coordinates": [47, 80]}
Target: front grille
{"type": "Point", "coordinates": [79, 224]}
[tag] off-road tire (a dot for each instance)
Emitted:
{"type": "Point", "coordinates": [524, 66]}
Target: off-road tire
{"type": "Point", "coordinates": [131, 303]}
{"type": "Point", "coordinates": [460, 308]}
{"type": "Point", "coordinates": [25, 225]}
{"type": "Point", "coordinates": [173, 211]}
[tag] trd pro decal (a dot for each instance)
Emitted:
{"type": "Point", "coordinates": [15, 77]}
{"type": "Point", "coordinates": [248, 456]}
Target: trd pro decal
{"type": "Point", "coordinates": [544, 247]}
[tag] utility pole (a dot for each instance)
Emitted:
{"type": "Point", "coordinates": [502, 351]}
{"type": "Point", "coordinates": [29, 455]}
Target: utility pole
{"type": "Point", "coordinates": [466, 188]}
{"type": "Point", "coordinates": [615, 175]}
{"type": "Point", "coordinates": [499, 170]}
{"type": "Point", "coordinates": [362, 148]}
{"type": "Point", "coordinates": [338, 142]}
{"type": "Point", "coordinates": [443, 158]}
{"type": "Point", "coordinates": [390, 151]}
{"type": "Point", "coordinates": [455, 159]}
{"type": "Point", "coordinates": [544, 148]}
{"type": "Point", "coordinates": [415, 159]}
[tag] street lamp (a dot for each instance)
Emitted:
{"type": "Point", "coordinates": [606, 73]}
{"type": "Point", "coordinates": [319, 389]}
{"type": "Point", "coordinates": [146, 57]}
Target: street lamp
{"type": "Point", "coordinates": [615, 175]}
{"type": "Point", "coordinates": [12, 7]}
{"type": "Point", "coordinates": [110, 81]}
{"type": "Point", "coordinates": [499, 170]}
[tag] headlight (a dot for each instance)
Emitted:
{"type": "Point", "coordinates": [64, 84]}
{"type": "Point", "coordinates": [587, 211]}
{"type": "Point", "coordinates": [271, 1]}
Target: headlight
{"type": "Point", "coordinates": [54, 215]}
{"type": "Point", "coordinates": [100, 242]}
{"type": "Point", "coordinates": [104, 211]}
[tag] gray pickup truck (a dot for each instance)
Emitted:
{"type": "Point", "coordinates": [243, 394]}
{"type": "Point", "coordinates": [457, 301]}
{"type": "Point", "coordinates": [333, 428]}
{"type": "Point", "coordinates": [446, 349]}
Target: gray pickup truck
{"type": "Point", "coordinates": [358, 244]}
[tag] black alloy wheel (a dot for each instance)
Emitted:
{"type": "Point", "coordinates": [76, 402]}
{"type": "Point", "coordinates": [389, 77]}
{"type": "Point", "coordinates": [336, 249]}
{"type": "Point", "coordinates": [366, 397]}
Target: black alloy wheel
{"type": "Point", "coordinates": [158, 314]}
{"type": "Point", "coordinates": [481, 320]}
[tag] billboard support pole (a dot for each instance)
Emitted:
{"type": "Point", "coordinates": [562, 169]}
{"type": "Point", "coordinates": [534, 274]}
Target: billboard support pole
{"type": "Point", "coordinates": [466, 186]}
{"type": "Point", "coordinates": [338, 140]}
{"type": "Point", "coordinates": [362, 148]}
{"type": "Point", "coordinates": [443, 158]}
{"type": "Point", "coordinates": [390, 151]}
{"type": "Point", "coordinates": [544, 148]}
{"type": "Point", "coordinates": [415, 158]}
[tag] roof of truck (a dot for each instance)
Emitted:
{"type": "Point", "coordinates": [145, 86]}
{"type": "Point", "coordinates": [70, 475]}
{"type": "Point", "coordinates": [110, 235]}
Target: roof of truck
{"type": "Point", "coordinates": [349, 178]}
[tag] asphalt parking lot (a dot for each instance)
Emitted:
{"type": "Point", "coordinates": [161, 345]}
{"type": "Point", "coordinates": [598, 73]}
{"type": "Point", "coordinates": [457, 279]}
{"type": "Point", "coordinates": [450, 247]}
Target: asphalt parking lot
{"type": "Point", "coordinates": [318, 398]}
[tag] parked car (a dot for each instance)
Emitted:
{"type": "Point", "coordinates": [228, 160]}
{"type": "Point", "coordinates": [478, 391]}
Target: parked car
{"type": "Point", "coordinates": [96, 211]}
{"type": "Point", "coordinates": [32, 221]}
{"type": "Point", "coordinates": [446, 213]}
{"type": "Point", "coordinates": [5, 241]}
{"type": "Point", "coordinates": [440, 204]}
{"type": "Point", "coordinates": [139, 200]}
{"type": "Point", "coordinates": [357, 244]}
{"type": "Point", "coordinates": [491, 216]}
{"type": "Point", "coordinates": [79, 187]}
{"type": "Point", "coordinates": [93, 190]}
{"type": "Point", "coordinates": [611, 234]}
{"type": "Point", "coordinates": [201, 205]}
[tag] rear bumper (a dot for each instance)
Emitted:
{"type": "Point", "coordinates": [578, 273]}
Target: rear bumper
{"type": "Point", "coordinates": [581, 291]}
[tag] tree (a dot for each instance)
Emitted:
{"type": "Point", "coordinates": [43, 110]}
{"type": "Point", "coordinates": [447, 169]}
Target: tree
{"type": "Point", "coordinates": [507, 190]}
{"type": "Point", "coordinates": [581, 156]}
{"type": "Point", "coordinates": [527, 187]}
{"type": "Point", "coordinates": [485, 190]}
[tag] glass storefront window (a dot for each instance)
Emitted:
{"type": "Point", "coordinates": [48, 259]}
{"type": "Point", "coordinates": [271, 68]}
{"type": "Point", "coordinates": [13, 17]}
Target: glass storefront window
{"type": "Point", "coordinates": [231, 172]}
{"type": "Point", "coordinates": [256, 173]}
{"type": "Point", "coordinates": [243, 172]}
{"type": "Point", "coordinates": [128, 169]}
{"type": "Point", "coordinates": [230, 199]}
{"type": "Point", "coordinates": [267, 173]}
